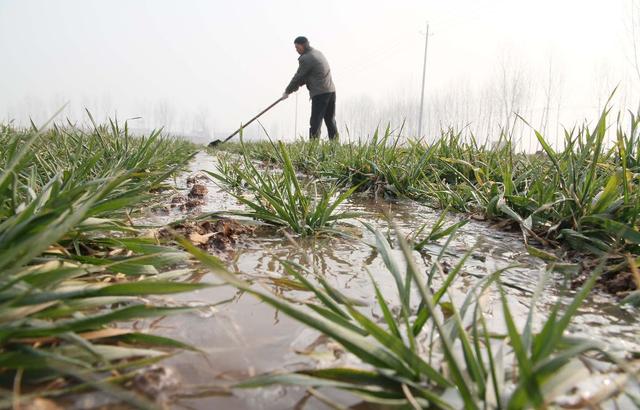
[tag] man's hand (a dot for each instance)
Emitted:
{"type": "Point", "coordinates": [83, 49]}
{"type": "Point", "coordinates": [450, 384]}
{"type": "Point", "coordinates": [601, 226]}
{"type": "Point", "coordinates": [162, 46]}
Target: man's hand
{"type": "Point", "coordinates": [285, 96]}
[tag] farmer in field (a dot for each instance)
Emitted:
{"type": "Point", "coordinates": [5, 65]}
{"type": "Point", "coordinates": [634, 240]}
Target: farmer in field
{"type": "Point", "coordinates": [314, 71]}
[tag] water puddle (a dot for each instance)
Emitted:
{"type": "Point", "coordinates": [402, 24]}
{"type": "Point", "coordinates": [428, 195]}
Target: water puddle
{"type": "Point", "coordinates": [245, 337]}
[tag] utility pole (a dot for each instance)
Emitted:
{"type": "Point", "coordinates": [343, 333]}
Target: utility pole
{"type": "Point", "coordinates": [424, 73]}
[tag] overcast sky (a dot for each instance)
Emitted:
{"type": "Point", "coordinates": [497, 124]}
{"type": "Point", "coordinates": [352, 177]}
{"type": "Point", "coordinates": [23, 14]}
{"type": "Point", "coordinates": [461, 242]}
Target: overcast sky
{"type": "Point", "coordinates": [188, 63]}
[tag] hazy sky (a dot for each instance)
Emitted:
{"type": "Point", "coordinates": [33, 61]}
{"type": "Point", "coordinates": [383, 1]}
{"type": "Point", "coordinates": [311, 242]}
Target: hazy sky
{"type": "Point", "coordinates": [217, 63]}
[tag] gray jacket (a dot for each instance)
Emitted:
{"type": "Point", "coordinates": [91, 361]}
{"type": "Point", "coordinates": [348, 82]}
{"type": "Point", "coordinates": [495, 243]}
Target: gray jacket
{"type": "Point", "coordinates": [314, 71]}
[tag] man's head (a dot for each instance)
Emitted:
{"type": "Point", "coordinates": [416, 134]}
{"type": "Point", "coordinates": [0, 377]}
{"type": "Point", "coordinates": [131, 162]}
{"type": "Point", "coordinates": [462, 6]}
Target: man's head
{"type": "Point", "coordinates": [301, 43]}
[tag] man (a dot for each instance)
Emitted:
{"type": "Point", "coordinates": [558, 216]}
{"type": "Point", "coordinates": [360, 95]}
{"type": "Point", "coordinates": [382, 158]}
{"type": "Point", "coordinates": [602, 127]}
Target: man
{"type": "Point", "coordinates": [314, 71]}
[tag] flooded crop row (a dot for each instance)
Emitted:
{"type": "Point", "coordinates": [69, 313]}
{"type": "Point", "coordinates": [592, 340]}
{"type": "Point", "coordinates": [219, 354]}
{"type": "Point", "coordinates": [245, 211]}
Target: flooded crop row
{"type": "Point", "coordinates": [244, 337]}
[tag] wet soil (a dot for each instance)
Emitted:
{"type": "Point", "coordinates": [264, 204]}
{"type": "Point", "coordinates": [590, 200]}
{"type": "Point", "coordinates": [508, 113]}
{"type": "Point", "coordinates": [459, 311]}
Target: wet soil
{"type": "Point", "coordinates": [617, 279]}
{"type": "Point", "coordinates": [244, 337]}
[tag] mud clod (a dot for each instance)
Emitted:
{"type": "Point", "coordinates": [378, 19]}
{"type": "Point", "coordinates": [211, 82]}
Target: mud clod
{"type": "Point", "coordinates": [195, 178]}
{"type": "Point", "coordinates": [619, 283]}
{"type": "Point", "coordinates": [177, 201]}
{"type": "Point", "coordinates": [198, 191]}
{"type": "Point", "coordinates": [186, 204]}
{"type": "Point", "coordinates": [155, 382]}
{"type": "Point", "coordinates": [217, 235]}
{"type": "Point", "coordinates": [615, 282]}
{"type": "Point", "coordinates": [194, 199]}
{"type": "Point", "coordinates": [191, 203]}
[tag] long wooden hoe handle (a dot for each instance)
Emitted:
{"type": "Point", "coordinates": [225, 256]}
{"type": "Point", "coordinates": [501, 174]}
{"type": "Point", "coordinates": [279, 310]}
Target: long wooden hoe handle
{"type": "Point", "coordinates": [214, 143]}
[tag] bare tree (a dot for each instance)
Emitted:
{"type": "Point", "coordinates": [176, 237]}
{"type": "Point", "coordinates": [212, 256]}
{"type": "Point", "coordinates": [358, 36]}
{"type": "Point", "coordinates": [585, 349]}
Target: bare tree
{"type": "Point", "coordinates": [163, 115]}
{"type": "Point", "coordinates": [552, 96]}
{"type": "Point", "coordinates": [635, 36]}
{"type": "Point", "coordinates": [510, 86]}
{"type": "Point", "coordinates": [516, 93]}
{"type": "Point", "coordinates": [605, 82]}
{"type": "Point", "coordinates": [200, 125]}
{"type": "Point", "coordinates": [359, 115]}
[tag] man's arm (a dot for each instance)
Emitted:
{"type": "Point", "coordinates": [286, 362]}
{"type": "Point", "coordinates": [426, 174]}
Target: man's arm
{"type": "Point", "coordinates": [300, 76]}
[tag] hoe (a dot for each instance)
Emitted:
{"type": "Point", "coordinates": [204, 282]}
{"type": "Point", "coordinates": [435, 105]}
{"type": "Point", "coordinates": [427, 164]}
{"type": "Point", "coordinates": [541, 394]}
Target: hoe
{"type": "Point", "coordinates": [217, 142]}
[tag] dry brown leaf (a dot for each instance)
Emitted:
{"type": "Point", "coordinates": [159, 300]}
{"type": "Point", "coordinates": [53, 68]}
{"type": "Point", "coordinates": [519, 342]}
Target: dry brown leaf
{"type": "Point", "coordinates": [102, 333]}
{"type": "Point", "coordinates": [95, 334]}
{"type": "Point", "coordinates": [198, 239]}
{"type": "Point", "coordinates": [42, 404]}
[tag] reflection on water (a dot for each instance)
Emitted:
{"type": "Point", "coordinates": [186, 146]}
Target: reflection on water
{"type": "Point", "coordinates": [245, 337]}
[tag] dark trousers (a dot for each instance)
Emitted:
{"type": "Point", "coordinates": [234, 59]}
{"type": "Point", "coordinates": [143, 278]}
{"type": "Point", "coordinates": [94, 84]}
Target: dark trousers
{"type": "Point", "coordinates": [323, 107]}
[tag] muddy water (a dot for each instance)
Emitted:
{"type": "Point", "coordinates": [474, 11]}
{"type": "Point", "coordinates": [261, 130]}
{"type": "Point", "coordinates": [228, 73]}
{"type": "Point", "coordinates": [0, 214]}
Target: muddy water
{"type": "Point", "coordinates": [245, 337]}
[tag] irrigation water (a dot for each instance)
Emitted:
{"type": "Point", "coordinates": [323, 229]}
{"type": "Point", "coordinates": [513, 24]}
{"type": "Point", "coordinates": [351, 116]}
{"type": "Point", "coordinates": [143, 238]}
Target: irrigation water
{"type": "Point", "coordinates": [245, 337]}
